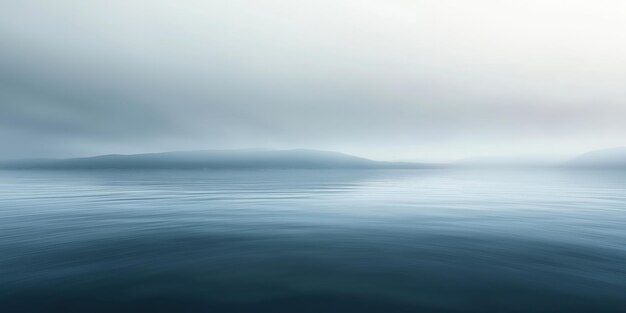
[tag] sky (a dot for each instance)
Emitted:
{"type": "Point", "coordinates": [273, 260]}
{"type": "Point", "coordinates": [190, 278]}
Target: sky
{"type": "Point", "coordinates": [428, 80]}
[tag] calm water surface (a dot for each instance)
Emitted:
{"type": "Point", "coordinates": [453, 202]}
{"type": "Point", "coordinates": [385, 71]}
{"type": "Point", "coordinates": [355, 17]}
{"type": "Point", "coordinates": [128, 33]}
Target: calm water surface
{"type": "Point", "coordinates": [313, 241]}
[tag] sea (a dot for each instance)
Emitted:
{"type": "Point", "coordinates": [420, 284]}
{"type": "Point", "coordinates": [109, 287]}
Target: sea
{"type": "Point", "coordinates": [298, 241]}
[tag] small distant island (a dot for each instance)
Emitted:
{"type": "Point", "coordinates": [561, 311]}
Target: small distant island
{"type": "Point", "coordinates": [216, 160]}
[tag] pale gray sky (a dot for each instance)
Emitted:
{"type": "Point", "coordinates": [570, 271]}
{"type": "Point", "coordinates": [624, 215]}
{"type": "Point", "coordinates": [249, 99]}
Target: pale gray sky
{"type": "Point", "coordinates": [387, 79]}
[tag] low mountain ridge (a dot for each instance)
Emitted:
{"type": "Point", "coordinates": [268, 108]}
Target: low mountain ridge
{"type": "Point", "coordinates": [216, 159]}
{"type": "Point", "coordinates": [605, 158]}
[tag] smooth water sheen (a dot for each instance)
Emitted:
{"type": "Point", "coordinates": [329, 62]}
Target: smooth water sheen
{"type": "Point", "coordinates": [313, 241]}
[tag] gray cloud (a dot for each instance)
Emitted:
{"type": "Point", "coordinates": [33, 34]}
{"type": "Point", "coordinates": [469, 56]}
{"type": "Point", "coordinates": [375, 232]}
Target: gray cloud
{"type": "Point", "coordinates": [386, 79]}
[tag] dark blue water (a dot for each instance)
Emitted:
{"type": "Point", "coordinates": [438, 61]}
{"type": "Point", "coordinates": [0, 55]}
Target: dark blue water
{"type": "Point", "coordinates": [313, 241]}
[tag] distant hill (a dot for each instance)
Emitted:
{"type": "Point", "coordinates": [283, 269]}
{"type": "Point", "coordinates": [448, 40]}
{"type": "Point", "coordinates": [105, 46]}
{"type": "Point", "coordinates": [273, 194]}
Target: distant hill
{"type": "Point", "coordinates": [606, 158]}
{"type": "Point", "coordinates": [216, 159]}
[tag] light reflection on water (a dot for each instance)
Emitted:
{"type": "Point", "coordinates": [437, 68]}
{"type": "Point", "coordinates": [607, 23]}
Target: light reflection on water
{"type": "Point", "coordinates": [313, 241]}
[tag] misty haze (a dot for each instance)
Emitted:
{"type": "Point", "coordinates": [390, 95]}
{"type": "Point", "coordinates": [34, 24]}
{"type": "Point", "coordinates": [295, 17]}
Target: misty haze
{"type": "Point", "coordinates": [312, 156]}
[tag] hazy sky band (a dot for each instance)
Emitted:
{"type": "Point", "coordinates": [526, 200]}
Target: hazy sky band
{"type": "Point", "coordinates": [424, 80]}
